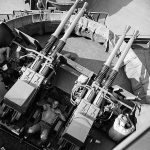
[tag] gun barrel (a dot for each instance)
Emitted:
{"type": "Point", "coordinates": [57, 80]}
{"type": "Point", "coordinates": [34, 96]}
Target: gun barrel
{"type": "Point", "coordinates": [114, 72]}
{"type": "Point", "coordinates": [63, 22]}
{"type": "Point", "coordinates": [48, 47]}
{"type": "Point", "coordinates": [62, 41]}
{"type": "Point", "coordinates": [57, 32]}
{"type": "Point", "coordinates": [101, 75]}
{"type": "Point", "coordinates": [73, 24]}
{"type": "Point", "coordinates": [117, 46]}
{"type": "Point", "coordinates": [124, 53]}
{"type": "Point", "coordinates": [44, 70]}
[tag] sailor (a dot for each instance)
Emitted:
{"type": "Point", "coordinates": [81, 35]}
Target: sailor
{"type": "Point", "coordinates": [4, 51]}
{"type": "Point", "coordinates": [40, 5]}
{"type": "Point", "coordinates": [49, 116]}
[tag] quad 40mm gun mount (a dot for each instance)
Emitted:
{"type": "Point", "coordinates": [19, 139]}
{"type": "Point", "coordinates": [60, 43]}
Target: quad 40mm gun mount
{"type": "Point", "coordinates": [45, 63]}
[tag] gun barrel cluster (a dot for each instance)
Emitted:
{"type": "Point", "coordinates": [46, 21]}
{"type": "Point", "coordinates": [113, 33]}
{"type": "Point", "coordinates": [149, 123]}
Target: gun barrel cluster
{"type": "Point", "coordinates": [50, 50]}
{"type": "Point", "coordinates": [62, 41]}
{"type": "Point", "coordinates": [102, 74]}
{"type": "Point", "coordinates": [99, 88]}
{"type": "Point", "coordinates": [111, 77]}
{"type": "Point", "coordinates": [59, 29]}
{"type": "Point", "coordinates": [64, 21]}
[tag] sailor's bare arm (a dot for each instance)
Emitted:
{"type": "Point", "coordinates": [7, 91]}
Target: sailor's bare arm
{"type": "Point", "coordinates": [62, 117]}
